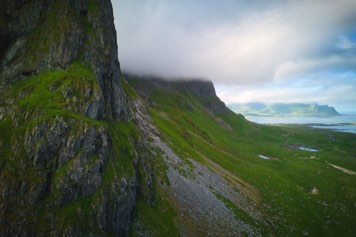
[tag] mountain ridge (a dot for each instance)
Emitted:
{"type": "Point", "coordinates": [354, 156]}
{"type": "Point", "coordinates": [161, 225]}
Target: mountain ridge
{"type": "Point", "coordinates": [85, 151]}
{"type": "Point", "coordinates": [203, 89]}
{"type": "Point", "coordinates": [284, 109]}
{"type": "Point", "coordinates": [266, 196]}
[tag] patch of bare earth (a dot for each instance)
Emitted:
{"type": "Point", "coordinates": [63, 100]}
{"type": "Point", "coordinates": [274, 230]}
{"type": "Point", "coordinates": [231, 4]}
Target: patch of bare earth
{"type": "Point", "coordinates": [346, 171]}
{"type": "Point", "coordinates": [193, 194]}
{"type": "Point", "coordinates": [314, 191]}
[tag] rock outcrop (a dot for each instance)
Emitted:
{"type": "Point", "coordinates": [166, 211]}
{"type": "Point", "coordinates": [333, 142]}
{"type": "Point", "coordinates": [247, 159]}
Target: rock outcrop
{"type": "Point", "coordinates": [203, 90]}
{"type": "Point", "coordinates": [78, 149]}
{"type": "Point", "coordinates": [40, 35]}
{"type": "Point", "coordinates": [198, 192]}
{"type": "Point", "coordinates": [70, 151]}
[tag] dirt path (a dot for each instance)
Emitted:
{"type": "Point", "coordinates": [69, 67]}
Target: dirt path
{"type": "Point", "coordinates": [247, 189]}
{"type": "Point", "coordinates": [346, 171]}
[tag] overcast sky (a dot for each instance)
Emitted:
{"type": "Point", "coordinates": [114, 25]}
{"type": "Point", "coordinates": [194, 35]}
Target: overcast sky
{"type": "Point", "coordinates": [267, 51]}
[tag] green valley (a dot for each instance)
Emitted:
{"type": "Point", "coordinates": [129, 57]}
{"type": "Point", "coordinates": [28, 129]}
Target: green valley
{"type": "Point", "coordinates": [86, 150]}
{"type": "Point", "coordinates": [300, 193]}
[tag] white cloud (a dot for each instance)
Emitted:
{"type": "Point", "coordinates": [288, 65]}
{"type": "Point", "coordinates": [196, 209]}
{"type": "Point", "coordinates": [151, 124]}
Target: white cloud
{"type": "Point", "coordinates": [345, 43]}
{"type": "Point", "coordinates": [338, 90]}
{"type": "Point", "coordinates": [297, 69]}
{"type": "Point", "coordinates": [236, 42]}
{"type": "Point", "coordinates": [165, 38]}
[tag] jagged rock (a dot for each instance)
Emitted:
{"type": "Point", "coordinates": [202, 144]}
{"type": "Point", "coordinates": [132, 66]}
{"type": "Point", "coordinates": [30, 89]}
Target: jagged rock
{"type": "Point", "coordinates": [60, 32]}
{"type": "Point", "coordinates": [60, 155]}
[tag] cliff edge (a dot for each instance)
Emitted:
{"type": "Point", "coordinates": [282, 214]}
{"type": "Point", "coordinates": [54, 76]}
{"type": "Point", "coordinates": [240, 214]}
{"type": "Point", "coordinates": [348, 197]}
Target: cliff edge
{"type": "Point", "coordinates": [68, 156]}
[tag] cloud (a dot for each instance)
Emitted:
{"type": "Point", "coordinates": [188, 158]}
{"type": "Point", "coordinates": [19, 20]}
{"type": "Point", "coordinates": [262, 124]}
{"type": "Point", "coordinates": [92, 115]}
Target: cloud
{"type": "Point", "coordinates": [235, 42]}
{"type": "Point", "coordinates": [336, 89]}
{"type": "Point", "coordinates": [346, 43]}
{"type": "Point", "coordinates": [294, 70]}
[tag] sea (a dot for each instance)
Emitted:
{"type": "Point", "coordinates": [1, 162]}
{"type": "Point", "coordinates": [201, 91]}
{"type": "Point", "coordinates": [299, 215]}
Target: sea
{"type": "Point", "coordinates": [343, 123]}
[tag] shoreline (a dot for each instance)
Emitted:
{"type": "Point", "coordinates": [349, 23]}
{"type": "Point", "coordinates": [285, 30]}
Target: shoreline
{"type": "Point", "coordinates": [342, 123]}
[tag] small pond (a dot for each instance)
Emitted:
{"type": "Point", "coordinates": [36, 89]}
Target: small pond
{"type": "Point", "coordinates": [264, 157]}
{"type": "Point", "coordinates": [303, 148]}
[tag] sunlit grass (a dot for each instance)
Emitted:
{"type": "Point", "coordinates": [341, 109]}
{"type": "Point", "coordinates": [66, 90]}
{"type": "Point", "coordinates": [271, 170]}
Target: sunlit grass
{"type": "Point", "coordinates": [286, 181]}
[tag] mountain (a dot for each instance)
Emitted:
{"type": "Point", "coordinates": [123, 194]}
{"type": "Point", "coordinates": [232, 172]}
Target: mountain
{"type": "Point", "coordinates": [225, 176]}
{"type": "Point", "coordinates": [88, 151]}
{"type": "Point", "coordinates": [280, 109]}
{"type": "Point", "coordinates": [67, 136]}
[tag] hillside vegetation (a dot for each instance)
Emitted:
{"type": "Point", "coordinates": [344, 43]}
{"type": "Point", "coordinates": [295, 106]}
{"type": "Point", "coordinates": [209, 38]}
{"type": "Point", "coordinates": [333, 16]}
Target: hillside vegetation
{"type": "Point", "coordinates": [85, 152]}
{"type": "Point", "coordinates": [67, 139]}
{"type": "Point", "coordinates": [298, 192]}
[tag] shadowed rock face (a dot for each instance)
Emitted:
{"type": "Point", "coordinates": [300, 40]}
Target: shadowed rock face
{"type": "Point", "coordinates": [76, 151]}
{"type": "Point", "coordinates": [43, 35]}
{"type": "Point", "coordinates": [60, 103]}
{"type": "Point", "coordinates": [206, 92]}
{"type": "Point", "coordinates": [202, 89]}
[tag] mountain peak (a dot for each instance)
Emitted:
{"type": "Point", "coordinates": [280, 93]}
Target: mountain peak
{"type": "Point", "coordinates": [204, 90]}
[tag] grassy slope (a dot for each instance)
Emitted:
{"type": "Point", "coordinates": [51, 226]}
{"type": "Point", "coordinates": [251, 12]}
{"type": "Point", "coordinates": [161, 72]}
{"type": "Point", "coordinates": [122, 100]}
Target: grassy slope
{"type": "Point", "coordinates": [42, 95]}
{"type": "Point", "coordinates": [284, 183]}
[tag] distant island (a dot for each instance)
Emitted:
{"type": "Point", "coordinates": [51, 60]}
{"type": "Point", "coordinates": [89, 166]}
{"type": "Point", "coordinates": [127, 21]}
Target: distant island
{"type": "Point", "coordinates": [283, 109]}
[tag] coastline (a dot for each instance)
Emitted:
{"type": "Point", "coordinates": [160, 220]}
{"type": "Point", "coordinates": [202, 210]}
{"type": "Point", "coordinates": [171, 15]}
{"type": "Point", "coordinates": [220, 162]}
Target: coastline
{"type": "Point", "coordinates": [341, 123]}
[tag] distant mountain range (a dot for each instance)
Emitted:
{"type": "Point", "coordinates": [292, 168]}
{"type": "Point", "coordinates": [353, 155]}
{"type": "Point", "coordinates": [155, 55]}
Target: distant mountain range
{"type": "Point", "coordinates": [281, 109]}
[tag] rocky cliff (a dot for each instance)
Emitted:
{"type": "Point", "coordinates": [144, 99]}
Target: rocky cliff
{"type": "Point", "coordinates": [200, 193]}
{"type": "Point", "coordinates": [41, 35]}
{"type": "Point", "coordinates": [69, 147]}
{"type": "Point", "coordinates": [82, 152]}
{"type": "Point", "coordinates": [203, 90]}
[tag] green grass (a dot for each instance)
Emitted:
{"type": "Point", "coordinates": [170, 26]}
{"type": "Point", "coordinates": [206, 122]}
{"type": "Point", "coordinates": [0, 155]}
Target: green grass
{"type": "Point", "coordinates": [48, 97]}
{"type": "Point", "coordinates": [284, 183]}
{"type": "Point", "coordinates": [157, 220]}
{"type": "Point", "coordinates": [44, 92]}
{"type": "Point", "coordinates": [41, 98]}
{"type": "Point", "coordinates": [129, 90]}
{"type": "Point", "coordinates": [124, 135]}
{"type": "Point", "coordinates": [6, 130]}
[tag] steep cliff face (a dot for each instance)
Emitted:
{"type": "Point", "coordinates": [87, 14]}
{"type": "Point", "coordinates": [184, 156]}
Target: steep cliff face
{"type": "Point", "coordinates": [43, 35]}
{"type": "Point", "coordinates": [69, 149]}
{"type": "Point", "coordinates": [201, 89]}
{"type": "Point", "coordinates": [205, 91]}
{"type": "Point", "coordinates": [195, 196]}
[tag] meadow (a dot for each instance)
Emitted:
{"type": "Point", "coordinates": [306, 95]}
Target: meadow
{"type": "Point", "coordinates": [310, 193]}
